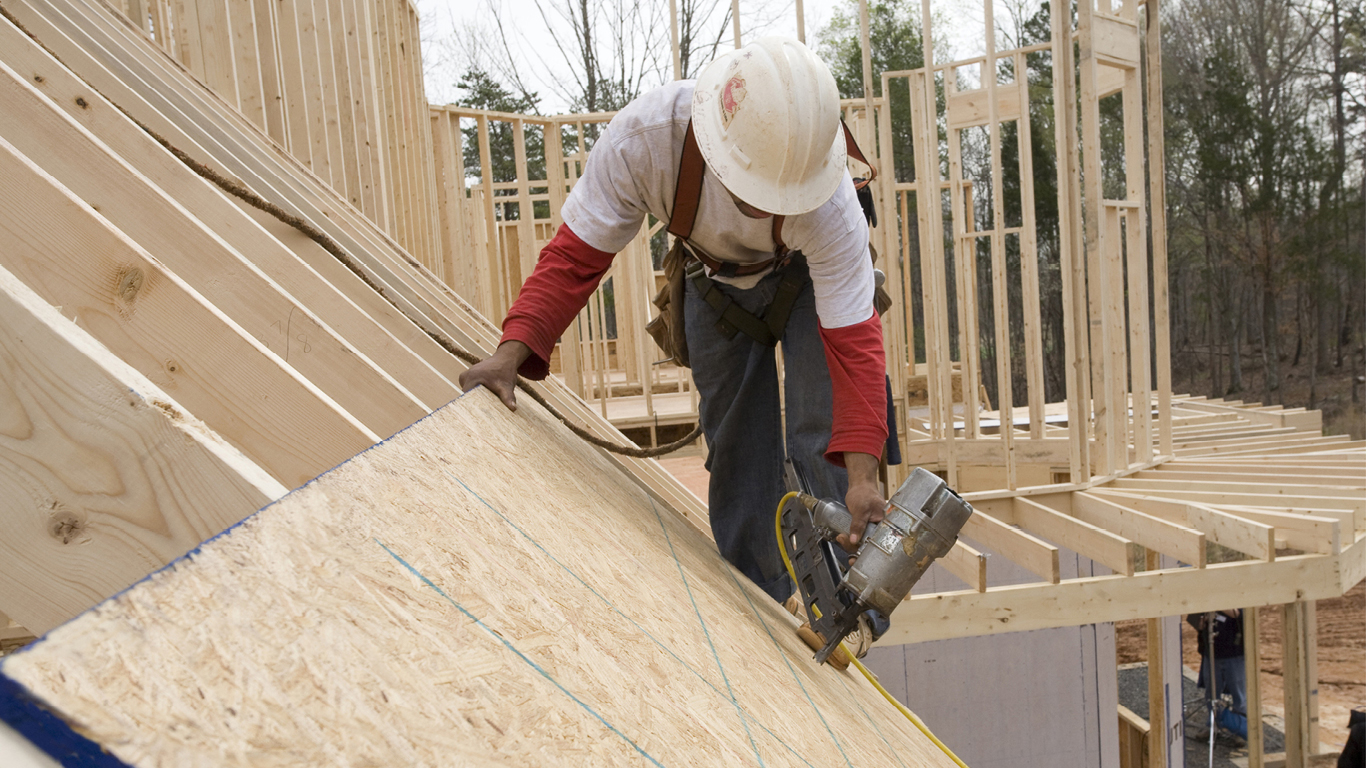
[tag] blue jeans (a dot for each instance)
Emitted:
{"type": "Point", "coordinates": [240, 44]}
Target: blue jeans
{"type": "Point", "coordinates": [1230, 676]}
{"type": "Point", "coordinates": [737, 379]}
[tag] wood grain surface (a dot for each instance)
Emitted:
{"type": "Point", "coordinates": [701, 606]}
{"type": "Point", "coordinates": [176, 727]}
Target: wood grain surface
{"type": "Point", "coordinates": [480, 589]}
{"type": "Point", "coordinates": [103, 476]}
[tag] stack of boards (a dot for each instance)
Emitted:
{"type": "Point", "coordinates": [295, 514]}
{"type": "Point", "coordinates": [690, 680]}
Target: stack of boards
{"type": "Point", "coordinates": [482, 588]}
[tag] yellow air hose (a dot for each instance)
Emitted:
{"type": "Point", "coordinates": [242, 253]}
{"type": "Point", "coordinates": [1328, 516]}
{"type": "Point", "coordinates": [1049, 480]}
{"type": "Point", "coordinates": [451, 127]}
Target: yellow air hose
{"type": "Point", "coordinates": [782, 547]}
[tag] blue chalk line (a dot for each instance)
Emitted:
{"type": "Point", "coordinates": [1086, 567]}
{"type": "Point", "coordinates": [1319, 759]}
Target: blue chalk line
{"type": "Point", "coordinates": [618, 611]}
{"type": "Point", "coordinates": [520, 655]}
{"type": "Point", "coordinates": [743, 720]}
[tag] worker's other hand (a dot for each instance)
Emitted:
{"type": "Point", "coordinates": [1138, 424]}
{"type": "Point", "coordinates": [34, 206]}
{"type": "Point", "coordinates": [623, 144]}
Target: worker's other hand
{"type": "Point", "coordinates": [498, 373]}
{"type": "Point", "coordinates": [863, 500]}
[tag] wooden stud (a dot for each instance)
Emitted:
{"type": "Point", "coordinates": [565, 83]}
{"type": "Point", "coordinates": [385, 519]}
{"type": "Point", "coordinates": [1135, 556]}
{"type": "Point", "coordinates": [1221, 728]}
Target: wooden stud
{"type": "Point", "coordinates": [1252, 658]}
{"type": "Point", "coordinates": [999, 292]}
{"type": "Point", "coordinates": [1157, 698]}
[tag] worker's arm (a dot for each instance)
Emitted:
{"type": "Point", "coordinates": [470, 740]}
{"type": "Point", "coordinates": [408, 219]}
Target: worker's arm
{"type": "Point", "coordinates": [864, 499]}
{"type": "Point", "coordinates": [568, 271]}
{"type": "Point", "coordinates": [835, 241]}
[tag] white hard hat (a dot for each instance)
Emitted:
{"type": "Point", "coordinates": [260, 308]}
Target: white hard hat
{"type": "Point", "coordinates": [767, 119]}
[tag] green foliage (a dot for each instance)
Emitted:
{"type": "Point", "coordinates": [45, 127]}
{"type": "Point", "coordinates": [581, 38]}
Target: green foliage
{"type": "Point", "coordinates": [482, 91]}
{"type": "Point", "coordinates": [894, 29]}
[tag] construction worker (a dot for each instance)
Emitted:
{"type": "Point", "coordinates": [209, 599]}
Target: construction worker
{"type": "Point", "coordinates": [1228, 665]}
{"type": "Point", "coordinates": [766, 122]}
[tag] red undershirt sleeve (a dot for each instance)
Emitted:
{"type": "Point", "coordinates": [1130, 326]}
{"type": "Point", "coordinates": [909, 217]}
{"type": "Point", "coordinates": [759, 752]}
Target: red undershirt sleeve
{"type": "Point", "coordinates": [858, 368]}
{"type": "Point", "coordinates": [566, 274]}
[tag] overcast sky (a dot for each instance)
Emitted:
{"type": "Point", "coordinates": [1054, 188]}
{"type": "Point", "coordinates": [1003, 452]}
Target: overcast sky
{"type": "Point", "coordinates": [448, 22]}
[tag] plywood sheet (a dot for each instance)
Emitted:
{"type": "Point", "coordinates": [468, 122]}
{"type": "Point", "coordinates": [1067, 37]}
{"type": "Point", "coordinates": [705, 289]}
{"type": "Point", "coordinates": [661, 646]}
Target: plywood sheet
{"type": "Point", "coordinates": [481, 588]}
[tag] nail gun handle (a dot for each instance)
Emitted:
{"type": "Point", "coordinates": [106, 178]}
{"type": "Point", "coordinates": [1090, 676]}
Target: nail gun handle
{"type": "Point", "coordinates": [830, 518]}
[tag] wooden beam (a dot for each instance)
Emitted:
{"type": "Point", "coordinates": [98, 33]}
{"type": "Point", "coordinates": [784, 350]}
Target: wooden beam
{"type": "Point", "coordinates": [1038, 556]}
{"type": "Point", "coordinates": [1183, 543]}
{"type": "Point", "coordinates": [1157, 698]}
{"type": "Point", "coordinates": [103, 475]}
{"type": "Point", "coordinates": [1270, 490]}
{"type": "Point", "coordinates": [1081, 537]}
{"type": "Point", "coordinates": [1144, 595]}
{"type": "Point", "coordinates": [1297, 684]}
{"type": "Point", "coordinates": [967, 564]}
{"type": "Point", "coordinates": [1246, 536]}
{"type": "Point", "coordinates": [1304, 532]}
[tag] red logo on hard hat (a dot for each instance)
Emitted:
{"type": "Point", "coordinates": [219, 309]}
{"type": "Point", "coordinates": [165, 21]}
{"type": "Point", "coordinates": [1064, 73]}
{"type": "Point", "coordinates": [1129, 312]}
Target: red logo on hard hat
{"type": "Point", "coordinates": [731, 96]}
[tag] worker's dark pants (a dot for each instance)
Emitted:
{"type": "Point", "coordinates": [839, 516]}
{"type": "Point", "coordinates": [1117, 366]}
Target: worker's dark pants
{"type": "Point", "coordinates": [737, 379]}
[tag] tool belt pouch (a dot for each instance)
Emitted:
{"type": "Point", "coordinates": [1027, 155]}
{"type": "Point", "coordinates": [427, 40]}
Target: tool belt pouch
{"type": "Point", "coordinates": [667, 329]}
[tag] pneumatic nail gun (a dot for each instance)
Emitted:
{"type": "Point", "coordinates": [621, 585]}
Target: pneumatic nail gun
{"type": "Point", "coordinates": [921, 524]}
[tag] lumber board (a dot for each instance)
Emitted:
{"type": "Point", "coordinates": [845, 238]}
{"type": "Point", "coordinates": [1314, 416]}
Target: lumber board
{"type": "Point", "coordinates": [1147, 594]}
{"type": "Point", "coordinates": [185, 244]}
{"type": "Point", "coordinates": [1246, 536]}
{"type": "Point", "coordinates": [1079, 536]}
{"type": "Point", "coordinates": [103, 475]}
{"type": "Point", "coordinates": [1036, 555]}
{"type": "Point", "coordinates": [469, 614]}
{"type": "Point", "coordinates": [151, 319]}
{"type": "Point", "coordinates": [294, 262]}
{"type": "Point", "coordinates": [160, 95]}
{"type": "Point", "coordinates": [1183, 543]}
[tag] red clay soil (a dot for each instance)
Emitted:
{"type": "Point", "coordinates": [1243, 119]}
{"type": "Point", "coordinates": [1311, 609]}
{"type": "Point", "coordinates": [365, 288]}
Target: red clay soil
{"type": "Point", "coordinates": [1341, 659]}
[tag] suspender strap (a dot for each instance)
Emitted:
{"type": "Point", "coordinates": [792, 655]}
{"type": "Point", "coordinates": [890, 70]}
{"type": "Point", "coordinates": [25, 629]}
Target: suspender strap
{"type": "Point", "coordinates": [688, 189]}
{"type": "Point", "coordinates": [795, 275]}
{"type": "Point", "coordinates": [851, 148]}
{"type": "Point", "coordinates": [732, 318]}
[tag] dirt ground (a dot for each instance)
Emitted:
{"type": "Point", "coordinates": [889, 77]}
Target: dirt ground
{"type": "Point", "coordinates": [1341, 659]}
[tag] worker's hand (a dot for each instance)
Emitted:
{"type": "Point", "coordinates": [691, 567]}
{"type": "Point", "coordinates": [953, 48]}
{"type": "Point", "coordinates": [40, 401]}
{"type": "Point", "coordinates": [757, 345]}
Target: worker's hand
{"type": "Point", "coordinates": [498, 372]}
{"type": "Point", "coordinates": [863, 500]}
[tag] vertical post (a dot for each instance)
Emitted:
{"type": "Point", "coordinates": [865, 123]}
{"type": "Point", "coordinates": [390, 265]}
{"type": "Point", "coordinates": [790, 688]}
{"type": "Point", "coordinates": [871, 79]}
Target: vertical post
{"type": "Point", "coordinates": [1005, 400]}
{"type": "Point", "coordinates": [801, 22]}
{"type": "Point", "coordinates": [1157, 701]}
{"type": "Point", "coordinates": [1157, 213]}
{"type": "Point", "coordinates": [1070, 264]}
{"type": "Point", "coordinates": [735, 20]}
{"type": "Point", "coordinates": [1098, 297]}
{"type": "Point", "coordinates": [929, 197]}
{"type": "Point", "coordinates": [1029, 257]}
{"type": "Point", "coordinates": [673, 37]}
{"type": "Point", "coordinates": [497, 307]}
{"type": "Point", "coordinates": [1252, 656]}
{"type": "Point", "coordinates": [1311, 672]}
{"type": "Point", "coordinates": [961, 210]}
{"type": "Point", "coordinates": [1296, 685]}
{"type": "Point", "coordinates": [1136, 245]}
{"type": "Point", "coordinates": [866, 49]}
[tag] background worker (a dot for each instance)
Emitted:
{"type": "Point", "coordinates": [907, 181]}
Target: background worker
{"type": "Point", "coordinates": [766, 121]}
{"type": "Point", "coordinates": [1230, 672]}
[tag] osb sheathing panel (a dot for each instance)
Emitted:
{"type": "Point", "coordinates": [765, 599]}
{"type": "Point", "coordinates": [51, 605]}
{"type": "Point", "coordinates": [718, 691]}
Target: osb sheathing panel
{"type": "Point", "coordinates": [481, 588]}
